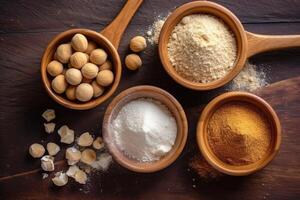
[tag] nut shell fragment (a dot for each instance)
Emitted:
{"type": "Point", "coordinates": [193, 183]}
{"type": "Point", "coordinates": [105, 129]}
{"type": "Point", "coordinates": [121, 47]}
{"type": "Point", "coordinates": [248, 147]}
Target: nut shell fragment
{"type": "Point", "coordinates": [36, 150]}
{"type": "Point", "coordinates": [72, 171]}
{"type": "Point", "coordinates": [98, 143]}
{"type": "Point", "coordinates": [60, 179]}
{"type": "Point", "coordinates": [80, 177]}
{"type": "Point", "coordinates": [52, 148]}
{"type": "Point", "coordinates": [66, 134]}
{"type": "Point", "coordinates": [88, 156]}
{"type": "Point", "coordinates": [49, 127]}
{"type": "Point", "coordinates": [85, 140]}
{"type": "Point", "coordinates": [49, 115]}
{"type": "Point", "coordinates": [47, 163]}
{"type": "Point", "coordinates": [73, 155]}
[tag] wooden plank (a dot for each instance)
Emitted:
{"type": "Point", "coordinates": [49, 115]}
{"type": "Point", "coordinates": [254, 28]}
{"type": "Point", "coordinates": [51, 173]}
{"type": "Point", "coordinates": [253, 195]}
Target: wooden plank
{"type": "Point", "coordinates": [25, 29]}
{"type": "Point", "coordinates": [17, 15]}
{"type": "Point", "coordinates": [277, 181]}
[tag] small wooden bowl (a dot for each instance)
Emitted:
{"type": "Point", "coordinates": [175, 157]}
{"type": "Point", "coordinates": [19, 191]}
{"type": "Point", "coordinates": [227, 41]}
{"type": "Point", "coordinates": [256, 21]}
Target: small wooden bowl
{"type": "Point", "coordinates": [102, 43]}
{"type": "Point", "coordinates": [204, 146]}
{"type": "Point", "coordinates": [108, 39]}
{"type": "Point", "coordinates": [248, 44]}
{"type": "Point", "coordinates": [174, 107]}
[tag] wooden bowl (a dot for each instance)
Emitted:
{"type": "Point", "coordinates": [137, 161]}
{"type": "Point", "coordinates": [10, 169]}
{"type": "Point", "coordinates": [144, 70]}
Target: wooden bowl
{"type": "Point", "coordinates": [103, 43]}
{"type": "Point", "coordinates": [207, 152]}
{"type": "Point", "coordinates": [248, 44]}
{"type": "Point", "coordinates": [174, 107]}
{"type": "Point", "coordinates": [108, 39]}
{"type": "Point", "coordinates": [205, 7]}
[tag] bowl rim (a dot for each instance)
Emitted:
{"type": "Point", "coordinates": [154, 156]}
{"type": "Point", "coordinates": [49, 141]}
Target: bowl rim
{"type": "Point", "coordinates": [59, 98]}
{"type": "Point", "coordinates": [231, 20]}
{"type": "Point", "coordinates": [202, 139]}
{"type": "Point", "coordinates": [165, 161]}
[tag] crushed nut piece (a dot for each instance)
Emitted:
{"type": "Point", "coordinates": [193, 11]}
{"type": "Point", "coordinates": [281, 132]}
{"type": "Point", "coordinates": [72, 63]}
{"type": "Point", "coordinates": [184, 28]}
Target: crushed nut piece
{"type": "Point", "coordinates": [60, 179]}
{"type": "Point", "coordinates": [103, 161]}
{"type": "Point", "coordinates": [98, 143]}
{"type": "Point", "coordinates": [49, 127]}
{"type": "Point", "coordinates": [36, 150]}
{"type": "Point", "coordinates": [80, 177]}
{"type": "Point", "coordinates": [73, 155]}
{"type": "Point", "coordinates": [45, 175]}
{"type": "Point", "coordinates": [49, 115]}
{"type": "Point", "coordinates": [47, 163]}
{"type": "Point", "coordinates": [66, 134]}
{"type": "Point", "coordinates": [85, 140]}
{"type": "Point", "coordinates": [88, 156]}
{"type": "Point", "coordinates": [52, 148]}
{"type": "Point", "coordinates": [72, 171]}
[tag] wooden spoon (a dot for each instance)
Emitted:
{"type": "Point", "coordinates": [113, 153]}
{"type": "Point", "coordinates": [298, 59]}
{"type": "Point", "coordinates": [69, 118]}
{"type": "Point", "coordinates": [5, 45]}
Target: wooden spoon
{"type": "Point", "coordinates": [248, 44]}
{"type": "Point", "coordinates": [108, 39]}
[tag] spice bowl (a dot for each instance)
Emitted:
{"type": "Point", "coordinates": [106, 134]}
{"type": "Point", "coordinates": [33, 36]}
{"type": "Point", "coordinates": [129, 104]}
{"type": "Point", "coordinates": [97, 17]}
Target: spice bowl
{"type": "Point", "coordinates": [248, 44]}
{"type": "Point", "coordinates": [173, 106]}
{"type": "Point", "coordinates": [261, 105]}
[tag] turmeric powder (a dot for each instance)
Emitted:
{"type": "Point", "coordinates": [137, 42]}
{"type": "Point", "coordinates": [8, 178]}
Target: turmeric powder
{"type": "Point", "coordinates": [239, 133]}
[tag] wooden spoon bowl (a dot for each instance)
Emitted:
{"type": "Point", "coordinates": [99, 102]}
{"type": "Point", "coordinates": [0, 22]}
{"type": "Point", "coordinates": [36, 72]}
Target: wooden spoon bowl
{"type": "Point", "coordinates": [248, 44]}
{"type": "Point", "coordinates": [161, 96]}
{"type": "Point", "coordinates": [108, 39]}
{"type": "Point", "coordinates": [102, 43]}
{"type": "Point", "coordinates": [206, 150]}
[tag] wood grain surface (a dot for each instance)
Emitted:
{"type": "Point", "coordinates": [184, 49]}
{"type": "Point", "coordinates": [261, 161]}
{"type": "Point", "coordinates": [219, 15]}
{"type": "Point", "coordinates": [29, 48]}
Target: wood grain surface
{"type": "Point", "coordinates": [26, 27]}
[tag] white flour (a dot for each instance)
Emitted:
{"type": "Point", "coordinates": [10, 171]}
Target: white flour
{"type": "Point", "coordinates": [202, 48]}
{"type": "Point", "coordinates": [144, 129]}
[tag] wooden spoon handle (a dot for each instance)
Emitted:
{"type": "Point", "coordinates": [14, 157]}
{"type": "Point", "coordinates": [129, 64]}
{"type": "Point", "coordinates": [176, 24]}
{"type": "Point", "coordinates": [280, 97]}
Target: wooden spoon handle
{"type": "Point", "coordinates": [114, 31]}
{"type": "Point", "coordinates": [260, 43]}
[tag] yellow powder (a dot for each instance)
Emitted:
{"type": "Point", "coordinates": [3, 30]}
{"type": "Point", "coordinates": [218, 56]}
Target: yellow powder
{"type": "Point", "coordinates": [239, 133]}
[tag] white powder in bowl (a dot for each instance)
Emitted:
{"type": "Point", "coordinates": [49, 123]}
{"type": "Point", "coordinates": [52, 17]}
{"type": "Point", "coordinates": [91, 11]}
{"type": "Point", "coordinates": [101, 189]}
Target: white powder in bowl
{"type": "Point", "coordinates": [202, 48]}
{"type": "Point", "coordinates": [144, 129]}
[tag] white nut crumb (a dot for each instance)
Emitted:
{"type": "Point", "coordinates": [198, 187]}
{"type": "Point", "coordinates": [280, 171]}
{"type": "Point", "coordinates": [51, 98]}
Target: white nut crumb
{"type": "Point", "coordinates": [80, 177]}
{"type": "Point", "coordinates": [52, 148]}
{"type": "Point", "coordinates": [47, 163]}
{"type": "Point", "coordinates": [98, 143]}
{"type": "Point", "coordinates": [73, 155]}
{"type": "Point", "coordinates": [103, 161]}
{"type": "Point", "coordinates": [49, 127]}
{"type": "Point", "coordinates": [60, 179]}
{"type": "Point", "coordinates": [72, 171]}
{"type": "Point", "coordinates": [66, 134]}
{"type": "Point", "coordinates": [36, 150]}
{"type": "Point", "coordinates": [45, 175]}
{"type": "Point", "coordinates": [88, 156]}
{"type": "Point", "coordinates": [49, 115]}
{"type": "Point", "coordinates": [85, 140]}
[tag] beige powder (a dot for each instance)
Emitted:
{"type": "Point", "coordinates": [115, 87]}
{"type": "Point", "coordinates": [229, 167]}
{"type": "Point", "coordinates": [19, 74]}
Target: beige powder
{"type": "Point", "coordinates": [154, 30]}
{"type": "Point", "coordinates": [202, 48]}
{"type": "Point", "coordinates": [249, 79]}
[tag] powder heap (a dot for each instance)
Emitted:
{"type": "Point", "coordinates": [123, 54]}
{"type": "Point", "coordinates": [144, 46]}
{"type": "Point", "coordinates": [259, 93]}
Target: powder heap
{"type": "Point", "coordinates": [202, 48]}
{"type": "Point", "coordinates": [154, 30]}
{"type": "Point", "coordinates": [249, 79]}
{"type": "Point", "coordinates": [203, 168]}
{"type": "Point", "coordinates": [144, 129]}
{"type": "Point", "coordinates": [239, 133]}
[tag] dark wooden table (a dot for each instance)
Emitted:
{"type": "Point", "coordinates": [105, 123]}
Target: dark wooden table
{"type": "Point", "coordinates": [25, 29]}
